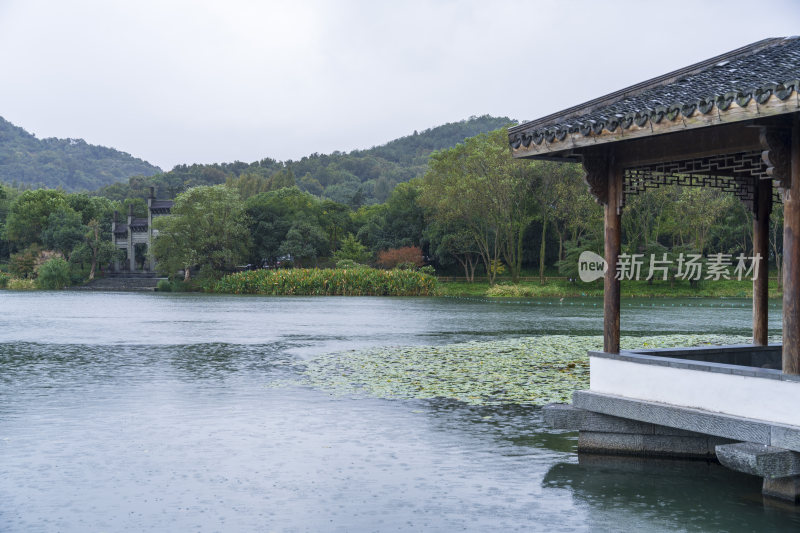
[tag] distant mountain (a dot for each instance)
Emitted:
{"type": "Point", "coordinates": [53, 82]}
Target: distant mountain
{"type": "Point", "coordinates": [71, 164]}
{"type": "Point", "coordinates": [355, 178]}
{"type": "Point", "coordinates": [372, 174]}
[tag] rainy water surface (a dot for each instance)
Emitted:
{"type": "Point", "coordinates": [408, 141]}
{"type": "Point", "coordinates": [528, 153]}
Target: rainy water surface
{"type": "Point", "coordinates": [151, 412]}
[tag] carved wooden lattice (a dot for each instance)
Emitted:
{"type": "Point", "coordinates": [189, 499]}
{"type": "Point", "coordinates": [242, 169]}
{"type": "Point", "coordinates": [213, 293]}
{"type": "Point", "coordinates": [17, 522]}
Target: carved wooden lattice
{"type": "Point", "coordinates": [737, 173]}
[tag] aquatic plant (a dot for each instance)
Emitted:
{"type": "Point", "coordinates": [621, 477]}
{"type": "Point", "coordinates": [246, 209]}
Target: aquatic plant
{"type": "Point", "coordinates": [527, 371]}
{"type": "Point", "coordinates": [16, 284]}
{"type": "Point", "coordinates": [328, 282]}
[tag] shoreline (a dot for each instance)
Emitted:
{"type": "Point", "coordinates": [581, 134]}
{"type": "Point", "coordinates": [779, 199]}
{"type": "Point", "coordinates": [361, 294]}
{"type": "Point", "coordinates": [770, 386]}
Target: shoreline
{"type": "Point", "coordinates": [629, 289]}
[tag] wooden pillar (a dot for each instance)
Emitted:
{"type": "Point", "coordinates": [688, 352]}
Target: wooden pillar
{"type": "Point", "coordinates": [791, 257]}
{"type": "Point", "coordinates": [613, 239]}
{"type": "Point", "coordinates": [761, 248]}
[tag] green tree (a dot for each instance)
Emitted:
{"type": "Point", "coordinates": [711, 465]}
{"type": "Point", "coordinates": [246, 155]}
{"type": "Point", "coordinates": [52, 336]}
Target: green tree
{"type": "Point", "coordinates": [352, 250]}
{"type": "Point", "coordinates": [398, 223]}
{"type": "Point", "coordinates": [5, 202]}
{"type": "Point", "coordinates": [271, 215]}
{"type": "Point", "coordinates": [776, 240]}
{"type": "Point", "coordinates": [310, 184]}
{"type": "Point", "coordinates": [304, 242]}
{"type": "Point", "coordinates": [23, 264]}
{"type": "Point", "coordinates": [335, 220]}
{"type": "Point", "coordinates": [282, 179]}
{"type": "Point", "coordinates": [575, 213]}
{"type": "Point", "coordinates": [479, 187]}
{"type": "Point", "coordinates": [207, 227]}
{"type": "Point", "coordinates": [448, 243]}
{"type": "Point", "coordinates": [29, 214]}
{"type": "Point", "coordinates": [64, 231]}
{"type": "Point", "coordinates": [701, 207]}
{"type": "Point", "coordinates": [54, 274]}
{"type": "Point", "coordinates": [96, 248]}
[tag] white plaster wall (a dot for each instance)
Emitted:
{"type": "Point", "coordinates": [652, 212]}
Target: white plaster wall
{"type": "Point", "coordinates": [763, 399]}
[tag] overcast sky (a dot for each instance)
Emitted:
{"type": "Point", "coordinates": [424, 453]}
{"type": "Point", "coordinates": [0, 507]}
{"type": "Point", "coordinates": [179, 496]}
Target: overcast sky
{"type": "Point", "coordinates": [213, 81]}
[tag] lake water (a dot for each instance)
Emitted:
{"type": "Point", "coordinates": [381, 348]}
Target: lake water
{"type": "Point", "coordinates": [153, 412]}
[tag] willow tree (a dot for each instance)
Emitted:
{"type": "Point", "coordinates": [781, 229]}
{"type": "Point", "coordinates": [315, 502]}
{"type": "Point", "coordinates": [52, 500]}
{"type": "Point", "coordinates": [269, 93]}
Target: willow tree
{"type": "Point", "coordinates": [476, 186]}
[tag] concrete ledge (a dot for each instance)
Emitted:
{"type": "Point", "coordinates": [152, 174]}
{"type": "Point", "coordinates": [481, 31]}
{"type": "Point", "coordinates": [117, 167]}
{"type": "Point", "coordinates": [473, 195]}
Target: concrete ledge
{"type": "Point", "coordinates": [768, 462]}
{"type": "Point", "coordinates": [566, 416]}
{"type": "Point", "coordinates": [672, 446]}
{"type": "Point", "coordinates": [689, 419]}
{"type": "Point", "coordinates": [695, 359]}
{"type": "Point", "coordinates": [611, 435]}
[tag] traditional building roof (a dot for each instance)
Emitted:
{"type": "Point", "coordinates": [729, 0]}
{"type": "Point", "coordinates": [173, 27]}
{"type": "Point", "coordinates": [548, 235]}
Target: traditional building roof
{"type": "Point", "coordinates": [138, 224]}
{"type": "Point", "coordinates": [754, 81]}
{"type": "Point", "coordinates": [161, 204]}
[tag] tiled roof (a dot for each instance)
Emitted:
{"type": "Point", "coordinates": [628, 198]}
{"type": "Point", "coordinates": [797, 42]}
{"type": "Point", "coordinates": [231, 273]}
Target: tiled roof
{"type": "Point", "coordinates": [161, 204]}
{"type": "Point", "coordinates": [753, 73]}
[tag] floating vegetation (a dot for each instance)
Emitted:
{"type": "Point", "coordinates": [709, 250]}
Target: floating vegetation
{"type": "Point", "coordinates": [525, 371]}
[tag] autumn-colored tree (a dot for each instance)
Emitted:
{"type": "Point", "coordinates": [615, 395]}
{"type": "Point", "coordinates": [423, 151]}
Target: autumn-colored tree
{"type": "Point", "coordinates": [396, 256]}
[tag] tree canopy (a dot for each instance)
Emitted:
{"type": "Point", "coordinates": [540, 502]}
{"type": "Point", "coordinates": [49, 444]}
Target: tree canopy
{"type": "Point", "coordinates": [207, 228]}
{"type": "Point", "coordinates": [72, 164]}
{"type": "Point", "coordinates": [356, 178]}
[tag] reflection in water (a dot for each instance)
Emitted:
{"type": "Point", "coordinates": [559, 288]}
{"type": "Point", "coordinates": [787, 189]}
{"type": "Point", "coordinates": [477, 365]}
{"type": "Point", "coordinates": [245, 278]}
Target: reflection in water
{"type": "Point", "coordinates": [162, 417]}
{"type": "Point", "coordinates": [670, 494]}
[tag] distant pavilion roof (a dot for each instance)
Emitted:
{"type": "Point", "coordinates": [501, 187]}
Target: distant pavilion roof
{"type": "Point", "coordinates": [161, 204]}
{"type": "Point", "coordinates": [138, 224]}
{"type": "Point", "coordinates": [748, 83]}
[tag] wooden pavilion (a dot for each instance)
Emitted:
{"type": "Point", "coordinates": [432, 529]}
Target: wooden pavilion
{"type": "Point", "coordinates": [730, 122]}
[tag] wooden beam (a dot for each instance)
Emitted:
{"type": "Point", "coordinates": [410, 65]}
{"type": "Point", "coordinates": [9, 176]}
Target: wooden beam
{"type": "Point", "coordinates": [691, 144]}
{"type": "Point", "coordinates": [791, 258]}
{"type": "Point", "coordinates": [613, 239]}
{"type": "Point", "coordinates": [761, 249]}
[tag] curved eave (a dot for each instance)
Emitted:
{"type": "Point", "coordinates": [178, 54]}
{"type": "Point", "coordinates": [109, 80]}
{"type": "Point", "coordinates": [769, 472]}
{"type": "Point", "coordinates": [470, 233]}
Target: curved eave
{"type": "Point", "coordinates": [558, 141]}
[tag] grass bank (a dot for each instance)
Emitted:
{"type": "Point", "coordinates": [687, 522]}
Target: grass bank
{"type": "Point", "coordinates": [329, 282]}
{"type": "Point", "coordinates": [630, 289]}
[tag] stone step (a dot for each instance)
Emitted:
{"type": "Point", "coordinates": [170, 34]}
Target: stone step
{"type": "Point", "coordinates": [779, 467]}
{"type": "Point", "coordinates": [759, 459]}
{"type": "Point", "coordinates": [130, 275]}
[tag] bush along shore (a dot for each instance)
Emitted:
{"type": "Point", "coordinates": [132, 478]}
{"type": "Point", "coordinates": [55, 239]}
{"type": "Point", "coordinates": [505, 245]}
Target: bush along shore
{"type": "Point", "coordinates": [629, 289]}
{"type": "Point", "coordinates": [362, 281]}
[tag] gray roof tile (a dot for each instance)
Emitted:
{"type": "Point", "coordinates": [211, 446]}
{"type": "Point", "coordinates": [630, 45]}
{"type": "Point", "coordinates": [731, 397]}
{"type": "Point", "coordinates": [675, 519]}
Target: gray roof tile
{"type": "Point", "coordinates": [754, 71]}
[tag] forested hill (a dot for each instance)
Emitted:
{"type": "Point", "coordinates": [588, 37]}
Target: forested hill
{"type": "Point", "coordinates": [71, 164]}
{"type": "Point", "coordinates": [354, 178]}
